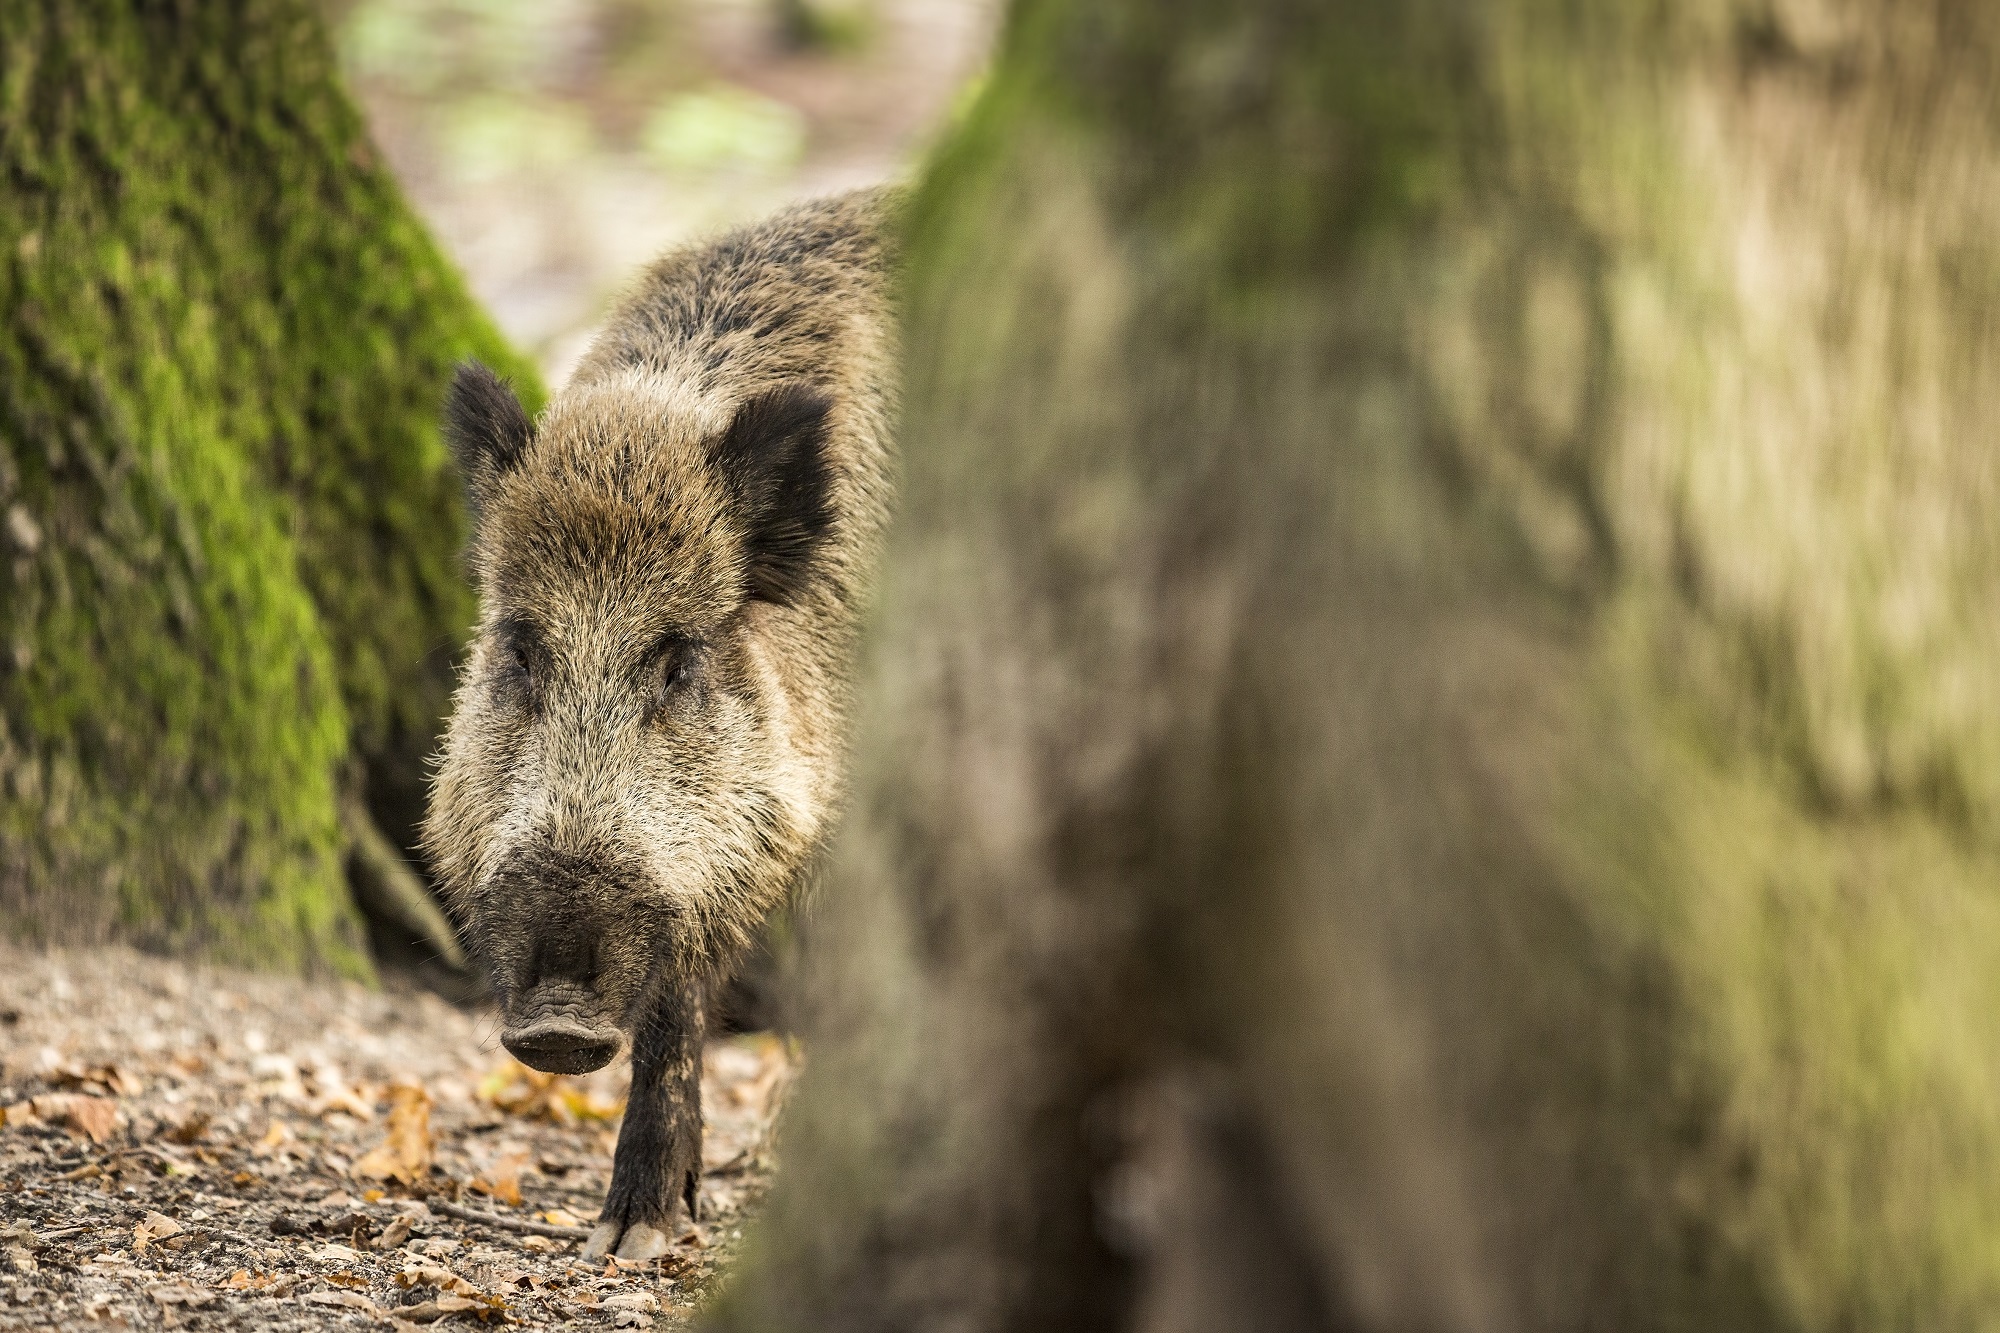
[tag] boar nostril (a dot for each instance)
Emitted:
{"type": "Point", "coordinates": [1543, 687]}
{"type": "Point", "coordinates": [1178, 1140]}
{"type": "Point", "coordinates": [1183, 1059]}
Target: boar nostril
{"type": "Point", "coordinates": [561, 1046]}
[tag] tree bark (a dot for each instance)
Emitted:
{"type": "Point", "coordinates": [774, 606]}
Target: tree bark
{"type": "Point", "coordinates": [231, 590]}
{"type": "Point", "coordinates": [1431, 759]}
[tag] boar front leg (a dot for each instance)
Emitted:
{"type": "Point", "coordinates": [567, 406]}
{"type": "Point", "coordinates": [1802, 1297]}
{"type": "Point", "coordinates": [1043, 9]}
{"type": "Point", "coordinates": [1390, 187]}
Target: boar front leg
{"type": "Point", "coordinates": [657, 1167]}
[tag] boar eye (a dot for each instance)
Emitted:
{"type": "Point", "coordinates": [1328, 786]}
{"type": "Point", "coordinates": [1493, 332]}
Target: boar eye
{"type": "Point", "coordinates": [517, 663]}
{"type": "Point", "coordinates": [673, 668]}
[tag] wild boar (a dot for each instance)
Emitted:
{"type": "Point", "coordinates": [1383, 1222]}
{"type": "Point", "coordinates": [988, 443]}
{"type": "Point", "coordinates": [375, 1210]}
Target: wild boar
{"type": "Point", "coordinates": [647, 744]}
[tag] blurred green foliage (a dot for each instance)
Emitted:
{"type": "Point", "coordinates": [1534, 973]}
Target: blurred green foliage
{"type": "Point", "coordinates": [557, 146]}
{"type": "Point", "coordinates": [725, 129]}
{"type": "Point", "coordinates": [578, 77]}
{"type": "Point", "coordinates": [489, 137]}
{"type": "Point", "coordinates": [433, 49]}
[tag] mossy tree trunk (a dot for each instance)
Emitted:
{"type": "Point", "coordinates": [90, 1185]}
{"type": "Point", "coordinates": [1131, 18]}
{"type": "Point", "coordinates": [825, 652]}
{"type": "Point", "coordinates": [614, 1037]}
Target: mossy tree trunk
{"type": "Point", "coordinates": [1434, 746]}
{"type": "Point", "coordinates": [231, 594]}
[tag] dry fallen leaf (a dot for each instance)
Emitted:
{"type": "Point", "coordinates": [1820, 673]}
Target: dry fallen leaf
{"type": "Point", "coordinates": [352, 1300]}
{"type": "Point", "coordinates": [406, 1153]}
{"type": "Point", "coordinates": [154, 1226]}
{"type": "Point", "coordinates": [180, 1293]}
{"type": "Point", "coordinates": [504, 1182]}
{"type": "Point", "coordinates": [429, 1312]}
{"type": "Point", "coordinates": [189, 1128]}
{"type": "Point", "coordinates": [96, 1118]}
{"type": "Point", "coordinates": [433, 1275]}
{"type": "Point", "coordinates": [99, 1080]}
{"type": "Point", "coordinates": [518, 1090]}
{"type": "Point", "coordinates": [334, 1093]}
{"type": "Point", "coordinates": [277, 1139]}
{"type": "Point", "coordinates": [562, 1217]}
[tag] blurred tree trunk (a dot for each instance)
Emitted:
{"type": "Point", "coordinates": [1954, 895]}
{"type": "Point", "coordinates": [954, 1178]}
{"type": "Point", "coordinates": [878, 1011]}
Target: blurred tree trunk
{"type": "Point", "coordinates": [231, 594]}
{"type": "Point", "coordinates": [1434, 746]}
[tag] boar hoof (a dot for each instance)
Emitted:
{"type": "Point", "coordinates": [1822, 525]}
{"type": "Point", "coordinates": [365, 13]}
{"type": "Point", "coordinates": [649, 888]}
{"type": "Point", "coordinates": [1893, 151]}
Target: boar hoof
{"type": "Point", "coordinates": [601, 1241]}
{"type": "Point", "coordinates": [642, 1241]}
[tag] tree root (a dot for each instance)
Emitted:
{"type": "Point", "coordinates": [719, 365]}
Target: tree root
{"type": "Point", "coordinates": [386, 887]}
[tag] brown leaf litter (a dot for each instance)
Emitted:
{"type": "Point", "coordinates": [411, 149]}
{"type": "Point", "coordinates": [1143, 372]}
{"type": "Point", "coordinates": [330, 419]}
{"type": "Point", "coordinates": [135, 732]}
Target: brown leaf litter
{"type": "Point", "coordinates": [407, 1154]}
{"type": "Point", "coordinates": [185, 1146]}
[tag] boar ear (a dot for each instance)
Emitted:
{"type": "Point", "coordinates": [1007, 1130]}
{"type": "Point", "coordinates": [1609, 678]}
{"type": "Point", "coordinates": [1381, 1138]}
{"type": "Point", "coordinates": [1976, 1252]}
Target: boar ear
{"type": "Point", "coordinates": [774, 460]}
{"type": "Point", "coordinates": [486, 429]}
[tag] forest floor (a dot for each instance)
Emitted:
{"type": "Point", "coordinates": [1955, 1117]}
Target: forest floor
{"type": "Point", "coordinates": [186, 1146]}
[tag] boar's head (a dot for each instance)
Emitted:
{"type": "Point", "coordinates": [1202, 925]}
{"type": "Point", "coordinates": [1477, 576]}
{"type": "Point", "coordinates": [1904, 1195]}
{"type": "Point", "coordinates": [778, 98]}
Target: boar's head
{"type": "Point", "coordinates": [641, 752]}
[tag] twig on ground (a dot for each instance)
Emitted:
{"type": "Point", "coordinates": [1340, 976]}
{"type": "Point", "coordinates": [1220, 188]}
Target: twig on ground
{"type": "Point", "coordinates": [237, 1237]}
{"type": "Point", "coordinates": [148, 1150]}
{"type": "Point", "coordinates": [509, 1223]}
{"type": "Point", "coordinates": [735, 1165]}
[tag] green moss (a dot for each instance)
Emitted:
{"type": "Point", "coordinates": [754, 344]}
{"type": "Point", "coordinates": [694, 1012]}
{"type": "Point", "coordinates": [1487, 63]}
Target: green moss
{"type": "Point", "coordinates": [231, 574]}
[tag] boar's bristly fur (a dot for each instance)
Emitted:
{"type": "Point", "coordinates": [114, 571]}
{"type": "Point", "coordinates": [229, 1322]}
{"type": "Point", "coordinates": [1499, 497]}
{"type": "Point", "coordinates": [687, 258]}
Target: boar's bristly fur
{"type": "Point", "coordinates": [486, 428]}
{"type": "Point", "coordinates": [646, 750]}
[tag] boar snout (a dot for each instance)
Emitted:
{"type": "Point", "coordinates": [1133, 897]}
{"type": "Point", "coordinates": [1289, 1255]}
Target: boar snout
{"type": "Point", "coordinates": [542, 924]}
{"type": "Point", "coordinates": [562, 1046]}
{"type": "Point", "coordinates": [555, 1029]}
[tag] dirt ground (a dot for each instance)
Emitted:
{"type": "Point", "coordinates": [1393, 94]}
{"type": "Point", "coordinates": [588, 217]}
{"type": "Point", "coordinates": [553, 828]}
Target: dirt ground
{"type": "Point", "coordinates": [191, 1147]}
